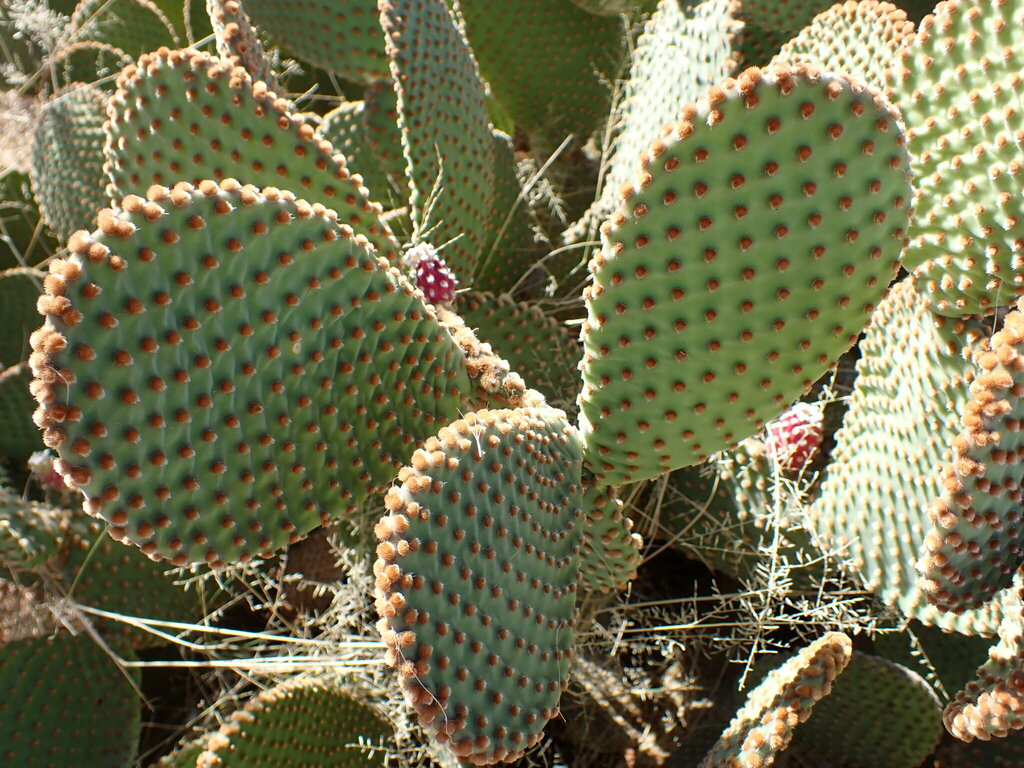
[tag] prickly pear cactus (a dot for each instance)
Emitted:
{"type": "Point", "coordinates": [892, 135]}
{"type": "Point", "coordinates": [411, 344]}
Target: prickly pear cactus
{"type": "Point", "coordinates": [742, 262]}
{"type": "Point", "coordinates": [297, 724]}
{"type": "Point", "coordinates": [764, 727]}
{"type": "Point", "coordinates": [66, 702]}
{"type": "Point", "coordinates": [976, 545]}
{"type": "Point", "coordinates": [189, 452]}
{"type": "Point", "coordinates": [960, 91]}
{"type": "Point", "coordinates": [476, 578]}
{"type": "Point", "coordinates": [67, 165]}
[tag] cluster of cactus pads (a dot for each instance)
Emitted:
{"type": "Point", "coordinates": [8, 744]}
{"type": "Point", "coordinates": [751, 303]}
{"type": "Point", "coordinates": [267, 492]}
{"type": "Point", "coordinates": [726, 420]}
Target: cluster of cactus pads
{"type": "Point", "coordinates": [476, 314]}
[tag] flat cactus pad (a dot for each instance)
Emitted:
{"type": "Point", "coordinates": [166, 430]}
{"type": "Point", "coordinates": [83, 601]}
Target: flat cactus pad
{"type": "Point", "coordinates": [224, 369]}
{"type": "Point", "coordinates": [476, 578]}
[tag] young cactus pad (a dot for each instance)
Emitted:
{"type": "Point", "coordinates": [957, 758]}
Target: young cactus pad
{"type": "Point", "coordinates": [476, 578]}
{"type": "Point", "coordinates": [187, 116]}
{"type": "Point", "coordinates": [762, 230]}
{"type": "Point", "coordinates": [223, 369]}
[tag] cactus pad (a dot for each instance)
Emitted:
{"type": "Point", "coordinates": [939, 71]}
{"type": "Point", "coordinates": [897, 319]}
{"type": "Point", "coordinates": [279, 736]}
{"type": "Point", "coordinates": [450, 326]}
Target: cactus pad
{"type": "Point", "coordinates": [858, 38]}
{"type": "Point", "coordinates": [878, 714]}
{"type": "Point", "coordinates": [977, 542]}
{"type": "Point", "coordinates": [760, 234]}
{"type": "Point", "coordinates": [345, 128]}
{"type": "Point", "coordinates": [609, 550]}
{"type": "Point", "coordinates": [67, 161]}
{"type": "Point", "coordinates": [196, 454]}
{"type": "Point", "coordinates": [886, 468]}
{"type": "Point", "coordinates": [64, 701]}
{"type": "Point", "coordinates": [684, 49]}
{"type": "Point", "coordinates": [299, 724]}
{"type": "Point", "coordinates": [765, 725]}
{"type": "Point", "coordinates": [341, 36]}
{"type": "Point", "coordinates": [476, 578]}
{"type": "Point", "coordinates": [960, 90]}
{"type": "Point", "coordinates": [548, 75]}
{"type": "Point", "coordinates": [446, 134]}
{"type": "Point", "coordinates": [204, 118]}
{"type": "Point", "coordinates": [30, 533]}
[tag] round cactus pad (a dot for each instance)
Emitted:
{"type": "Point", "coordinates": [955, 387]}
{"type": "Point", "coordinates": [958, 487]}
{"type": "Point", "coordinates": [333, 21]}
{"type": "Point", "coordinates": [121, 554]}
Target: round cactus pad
{"type": "Point", "coordinates": [960, 89]}
{"type": "Point", "coordinates": [476, 578]}
{"type": "Point", "coordinates": [223, 369]}
{"type": "Point", "coordinates": [609, 550]}
{"type": "Point", "coordinates": [30, 533]}
{"type": "Point", "coordinates": [878, 714]}
{"type": "Point", "coordinates": [750, 252]}
{"type": "Point", "coordinates": [65, 702]}
{"type": "Point", "coordinates": [298, 724]}
{"type": "Point", "coordinates": [187, 116]}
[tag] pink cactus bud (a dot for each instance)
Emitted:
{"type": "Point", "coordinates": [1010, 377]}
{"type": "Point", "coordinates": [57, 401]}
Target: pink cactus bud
{"type": "Point", "coordinates": [41, 465]}
{"type": "Point", "coordinates": [794, 437]}
{"type": "Point", "coordinates": [431, 274]}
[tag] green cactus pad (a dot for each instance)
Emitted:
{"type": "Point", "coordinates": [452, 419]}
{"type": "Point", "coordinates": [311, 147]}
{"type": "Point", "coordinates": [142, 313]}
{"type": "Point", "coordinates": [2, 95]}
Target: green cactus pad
{"type": "Point", "coordinates": [64, 702]}
{"type": "Point", "coordinates": [767, 24]}
{"type": "Point", "coordinates": [101, 573]}
{"type": "Point", "coordinates": [204, 118]}
{"type": "Point", "coordinates": [992, 705]}
{"type": "Point", "coordinates": [67, 159]}
{"type": "Point", "coordinates": [196, 454]}
{"type": "Point", "coordinates": [18, 294]}
{"type": "Point", "coordinates": [977, 542]}
{"type": "Point", "coordinates": [859, 38]}
{"type": "Point", "coordinates": [446, 134]}
{"type": "Point", "coordinates": [960, 91]}
{"type": "Point", "coordinates": [610, 552]}
{"type": "Point", "coordinates": [341, 37]}
{"type": "Point", "coordinates": [476, 578]}
{"type": "Point", "coordinates": [380, 118]}
{"type": "Point", "coordinates": [878, 714]}
{"type": "Point", "coordinates": [886, 469]}
{"type": "Point", "coordinates": [299, 724]}
{"type": "Point", "coordinates": [131, 26]}
{"type": "Point", "coordinates": [684, 49]}
{"type": "Point", "coordinates": [764, 726]}
{"type": "Point", "coordinates": [19, 437]}
{"type": "Point", "coordinates": [30, 533]}
{"type": "Point", "coordinates": [759, 236]}
{"type": "Point", "coordinates": [238, 42]}
{"type": "Point", "coordinates": [345, 128]}
{"type": "Point", "coordinates": [539, 348]}
{"type": "Point", "coordinates": [552, 75]}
